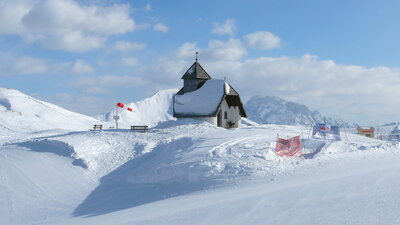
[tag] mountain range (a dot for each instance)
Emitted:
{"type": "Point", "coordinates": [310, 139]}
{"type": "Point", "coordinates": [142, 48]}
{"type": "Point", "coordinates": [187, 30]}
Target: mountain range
{"type": "Point", "coordinates": [21, 112]}
{"type": "Point", "coordinates": [275, 110]}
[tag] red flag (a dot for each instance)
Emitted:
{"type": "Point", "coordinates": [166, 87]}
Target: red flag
{"type": "Point", "coordinates": [121, 105]}
{"type": "Point", "coordinates": [288, 148]}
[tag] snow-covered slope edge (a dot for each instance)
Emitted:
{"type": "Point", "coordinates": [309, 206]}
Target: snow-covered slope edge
{"type": "Point", "coordinates": [173, 159]}
{"type": "Point", "coordinates": [21, 112]}
{"type": "Point", "coordinates": [274, 110]}
{"type": "Point", "coordinates": [149, 111]}
{"type": "Point", "coordinates": [178, 157]}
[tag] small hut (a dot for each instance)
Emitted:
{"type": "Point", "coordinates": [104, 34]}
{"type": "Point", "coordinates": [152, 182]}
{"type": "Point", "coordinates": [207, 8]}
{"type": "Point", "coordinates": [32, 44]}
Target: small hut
{"type": "Point", "coordinates": [367, 132]}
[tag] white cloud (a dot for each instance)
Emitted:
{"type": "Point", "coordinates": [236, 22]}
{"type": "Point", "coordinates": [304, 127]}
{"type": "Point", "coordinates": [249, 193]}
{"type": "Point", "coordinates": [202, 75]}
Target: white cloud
{"type": "Point", "coordinates": [129, 61]}
{"type": "Point", "coordinates": [125, 46]}
{"type": "Point", "coordinates": [142, 26]}
{"type": "Point", "coordinates": [228, 27]}
{"type": "Point", "coordinates": [11, 15]}
{"type": "Point", "coordinates": [160, 27]}
{"type": "Point", "coordinates": [74, 41]}
{"type": "Point", "coordinates": [105, 84]}
{"type": "Point", "coordinates": [233, 49]}
{"type": "Point", "coordinates": [64, 24]}
{"type": "Point", "coordinates": [355, 93]}
{"type": "Point", "coordinates": [262, 40]}
{"type": "Point", "coordinates": [81, 67]}
{"type": "Point", "coordinates": [165, 72]}
{"type": "Point", "coordinates": [22, 66]}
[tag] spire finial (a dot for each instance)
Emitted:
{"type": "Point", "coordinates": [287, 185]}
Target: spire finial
{"type": "Point", "coordinates": [197, 55]}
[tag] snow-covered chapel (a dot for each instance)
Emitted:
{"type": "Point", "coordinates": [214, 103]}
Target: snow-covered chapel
{"type": "Point", "coordinates": [211, 100]}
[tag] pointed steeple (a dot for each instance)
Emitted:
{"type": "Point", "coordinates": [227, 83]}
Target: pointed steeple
{"type": "Point", "coordinates": [196, 71]}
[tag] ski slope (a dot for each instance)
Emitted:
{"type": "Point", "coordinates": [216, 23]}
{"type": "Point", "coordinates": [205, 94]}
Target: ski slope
{"type": "Point", "coordinates": [189, 172]}
{"type": "Point", "coordinates": [357, 191]}
{"type": "Point", "coordinates": [22, 113]}
{"type": "Point", "coordinates": [53, 170]}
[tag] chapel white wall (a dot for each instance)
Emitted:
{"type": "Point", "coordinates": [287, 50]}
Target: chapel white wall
{"type": "Point", "coordinates": [233, 115]}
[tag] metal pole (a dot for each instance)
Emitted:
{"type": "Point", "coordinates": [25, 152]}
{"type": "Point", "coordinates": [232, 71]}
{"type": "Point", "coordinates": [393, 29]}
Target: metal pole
{"type": "Point", "coordinates": [116, 117]}
{"type": "Point", "coordinates": [311, 129]}
{"type": "Point", "coordinates": [345, 133]}
{"type": "Point", "coordinates": [325, 128]}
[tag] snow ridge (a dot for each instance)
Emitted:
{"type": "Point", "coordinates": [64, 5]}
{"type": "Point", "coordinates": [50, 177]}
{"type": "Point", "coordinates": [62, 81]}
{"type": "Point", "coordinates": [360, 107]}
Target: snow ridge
{"type": "Point", "coordinates": [20, 112]}
{"type": "Point", "coordinates": [150, 111]}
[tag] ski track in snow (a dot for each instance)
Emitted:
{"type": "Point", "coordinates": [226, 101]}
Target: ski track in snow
{"type": "Point", "coordinates": [173, 160]}
{"type": "Point", "coordinates": [8, 208]}
{"type": "Point", "coordinates": [54, 171]}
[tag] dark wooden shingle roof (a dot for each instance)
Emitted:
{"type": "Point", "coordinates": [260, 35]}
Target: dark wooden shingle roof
{"type": "Point", "coordinates": [196, 71]}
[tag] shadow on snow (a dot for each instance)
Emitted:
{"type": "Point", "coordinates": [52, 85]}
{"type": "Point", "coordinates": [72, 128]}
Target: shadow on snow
{"type": "Point", "coordinates": [142, 180]}
{"type": "Point", "coordinates": [53, 146]}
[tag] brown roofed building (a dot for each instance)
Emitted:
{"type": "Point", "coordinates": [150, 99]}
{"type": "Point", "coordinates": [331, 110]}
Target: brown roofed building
{"type": "Point", "coordinates": [367, 132]}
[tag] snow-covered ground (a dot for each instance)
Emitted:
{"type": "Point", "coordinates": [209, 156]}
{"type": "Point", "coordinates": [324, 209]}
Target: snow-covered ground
{"type": "Point", "coordinates": [53, 170]}
{"type": "Point", "coordinates": [150, 111]}
{"type": "Point", "coordinates": [189, 172]}
{"type": "Point", "coordinates": [20, 112]}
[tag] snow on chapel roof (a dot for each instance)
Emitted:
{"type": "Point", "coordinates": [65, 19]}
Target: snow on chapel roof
{"type": "Point", "coordinates": [203, 101]}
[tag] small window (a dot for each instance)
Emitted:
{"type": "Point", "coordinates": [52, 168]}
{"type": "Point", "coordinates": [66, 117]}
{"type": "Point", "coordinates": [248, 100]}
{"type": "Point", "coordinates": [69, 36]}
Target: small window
{"type": "Point", "coordinates": [225, 115]}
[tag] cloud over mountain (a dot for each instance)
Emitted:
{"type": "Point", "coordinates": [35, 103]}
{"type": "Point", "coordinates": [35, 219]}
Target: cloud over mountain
{"type": "Point", "coordinates": [64, 24]}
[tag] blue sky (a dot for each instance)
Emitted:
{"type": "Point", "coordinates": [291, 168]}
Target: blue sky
{"type": "Point", "coordinates": [339, 57]}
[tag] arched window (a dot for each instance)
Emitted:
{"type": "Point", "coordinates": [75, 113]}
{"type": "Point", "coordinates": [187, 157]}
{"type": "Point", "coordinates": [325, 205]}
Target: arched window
{"type": "Point", "coordinates": [225, 115]}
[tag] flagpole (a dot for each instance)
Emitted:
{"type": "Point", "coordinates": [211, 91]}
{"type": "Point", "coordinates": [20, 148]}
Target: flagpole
{"type": "Point", "coordinates": [116, 116]}
{"type": "Point", "coordinates": [311, 128]}
{"type": "Point", "coordinates": [347, 139]}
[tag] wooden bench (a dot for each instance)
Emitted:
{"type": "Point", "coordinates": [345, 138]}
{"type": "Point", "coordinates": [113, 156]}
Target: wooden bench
{"type": "Point", "coordinates": [97, 127]}
{"type": "Point", "coordinates": [140, 128]}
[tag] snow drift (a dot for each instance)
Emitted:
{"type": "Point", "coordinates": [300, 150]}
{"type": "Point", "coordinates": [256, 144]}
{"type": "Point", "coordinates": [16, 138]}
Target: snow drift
{"type": "Point", "coordinates": [150, 111]}
{"type": "Point", "coordinates": [186, 171]}
{"type": "Point", "coordinates": [20, 112]}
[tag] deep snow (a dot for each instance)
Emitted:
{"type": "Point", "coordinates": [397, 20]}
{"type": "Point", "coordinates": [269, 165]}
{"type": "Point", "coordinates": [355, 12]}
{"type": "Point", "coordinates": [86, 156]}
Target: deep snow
{"type": "Point", "coordinates": [20, 113]}
{"type": "Point", "coordinates": [150, 111]}
{"type": "Point", "coordinates": [189, 172]}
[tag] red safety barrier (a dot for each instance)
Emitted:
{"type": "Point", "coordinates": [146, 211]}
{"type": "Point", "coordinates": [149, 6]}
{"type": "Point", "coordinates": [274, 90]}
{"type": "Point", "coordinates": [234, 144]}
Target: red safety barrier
{"type": "Point", "coordinates": [288, 147]}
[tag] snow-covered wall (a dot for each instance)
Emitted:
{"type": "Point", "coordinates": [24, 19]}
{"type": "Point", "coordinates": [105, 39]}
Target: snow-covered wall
{"type": "Point", "coordinates": [232, 114]}
{"type": "Point", "coordinates": [212, 120]}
